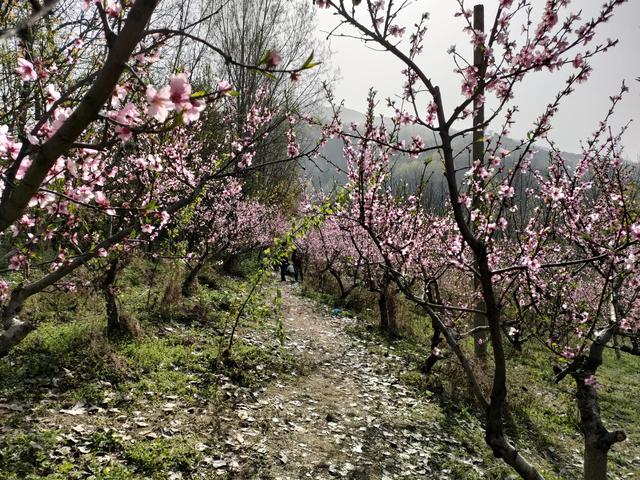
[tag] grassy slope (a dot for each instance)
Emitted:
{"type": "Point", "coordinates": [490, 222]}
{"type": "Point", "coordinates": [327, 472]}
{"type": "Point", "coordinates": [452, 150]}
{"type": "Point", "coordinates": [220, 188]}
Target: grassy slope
{"type": "Point", "coordinates": [151, 402]}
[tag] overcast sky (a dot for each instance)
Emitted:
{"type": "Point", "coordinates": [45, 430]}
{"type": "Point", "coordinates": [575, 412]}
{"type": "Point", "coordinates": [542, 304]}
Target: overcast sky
{"type": "Point", "coordinates": [360, 67]}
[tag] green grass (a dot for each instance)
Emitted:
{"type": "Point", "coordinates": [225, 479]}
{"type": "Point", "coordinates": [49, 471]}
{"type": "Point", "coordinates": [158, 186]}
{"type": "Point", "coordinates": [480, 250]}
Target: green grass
{"type": "Point", "coordinates": [26, 455]}
{"type": "Point", "coordinates": [159, 457]}
{"type": "Point", "coordinates": [69, 359]}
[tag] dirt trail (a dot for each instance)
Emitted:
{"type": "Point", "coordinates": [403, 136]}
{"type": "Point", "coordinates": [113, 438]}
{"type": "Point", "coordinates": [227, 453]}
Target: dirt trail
{"type": "Point", "coordinates": [344, 417]}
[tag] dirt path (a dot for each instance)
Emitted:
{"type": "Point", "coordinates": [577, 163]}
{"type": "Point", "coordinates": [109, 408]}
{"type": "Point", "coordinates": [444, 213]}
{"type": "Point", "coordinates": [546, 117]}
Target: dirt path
{"type": "Point", "coordinates": [344, 417]}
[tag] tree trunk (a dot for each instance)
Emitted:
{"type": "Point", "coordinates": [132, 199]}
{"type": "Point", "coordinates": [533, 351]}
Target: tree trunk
{"type": "Point", "coordinates": [597, 439]}
{"type": "Point", "coordinates": [479, 320]}
{"type": "Point", "coordinates": [189, 283]}
{"type": "Point", "coordinates": [113, 313]}
{"type": "Point", "coordinates": [502, 448]}
{"type": "Point", "coordinates": [384, 315]}
{"type": "Point", "coordinates": [15, 330]}
{"type": "Point", "coordinates": [595, 463]}
{"type": "Point", "coordinates": [436, 338]}
{"type": "Point", "coordinates": [111, 300]}
{"type": "Point", "coordinates": [343, 290]}
{"type": "Point", "coordinates": [387, 306]}
{"type": "Point", "coordinates": [117, 323]}
{"type": "Point", "coordinates": [494, 429]}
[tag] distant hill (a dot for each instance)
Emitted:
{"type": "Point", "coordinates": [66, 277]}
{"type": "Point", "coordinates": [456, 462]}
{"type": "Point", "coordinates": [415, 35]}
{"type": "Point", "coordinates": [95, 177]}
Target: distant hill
{"type": "Point", "coordinates": [325, 174]}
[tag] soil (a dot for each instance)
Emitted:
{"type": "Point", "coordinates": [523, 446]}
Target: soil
{"type": "Point", "coordinates": [345, 416]}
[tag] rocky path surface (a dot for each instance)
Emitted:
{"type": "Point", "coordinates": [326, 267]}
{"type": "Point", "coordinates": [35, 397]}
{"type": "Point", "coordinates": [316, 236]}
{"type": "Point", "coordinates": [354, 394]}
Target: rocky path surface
{"type": "Point", "coordinates": [344, 416]}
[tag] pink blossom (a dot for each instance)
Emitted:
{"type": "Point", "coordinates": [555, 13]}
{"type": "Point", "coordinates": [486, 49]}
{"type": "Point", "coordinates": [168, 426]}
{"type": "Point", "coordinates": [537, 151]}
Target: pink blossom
{"type": "Point", "coordinates": [26, 221]}
{"type": "Point", "coordinates": [53, 95]}
{"type": "Point", "coordinates": [432, 111]}
{"type": "Point", "coordinates": [119, 94]}
{"type": "Point", "coordinates": [404, 118]}
{"type": "Point", "coordinates": [273, 59]}
{"type": "Point", "coordinates": [180, 91]}
{"type": "Point", "coordinates": [556, 194]}
{"type": "Point", "coordinates": [531, 263]}
{"type": "Point", "coordinates": [506, 191]}
{"type": "Point", "coordinates": [578, 61]}
{"type": "Point", "coordinates": [417, 143]}
{"type": "Point", "coordinates": [224, 87]}
{"type": "Point", "coordinates": [18, 261]}
{"type": "Point", "coordinates": [247, 160]}
{"type": "Point", "coordinates": [124, 133]}
{"type": "Point", "coordinates": [592, 381]}
{"type": "Point", "coordinates": [192, 112]}
{"type": "Point", "coordinates": [4, 291]}
{"type": "Point", "coordinates": [397, 31]}
{"type": "Point", "coordinates": [293, 149]}
{"type": "Point", "coordinates": [4, 138]}
{"type": "Point", "coordinates": [164, 218]}
{"type": "Point", "coordinates": [113, 8]}
{"type": "Point", "coordinates": [26, 70]}
{"type": "Point", "coordinates": [159, 103]}
{"type": "Point", "coordinates": [128, 115]}
{"type": "Point", "coordinates": [101, 199]}
{"type": "Point", "coordinates": [11, 148]}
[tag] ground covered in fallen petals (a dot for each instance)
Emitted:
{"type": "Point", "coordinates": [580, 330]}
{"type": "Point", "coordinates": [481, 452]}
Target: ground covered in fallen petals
{"type": "Point", "coordinates": [344, 415]}
{"type": "Point", "coordinates": [316, 394]}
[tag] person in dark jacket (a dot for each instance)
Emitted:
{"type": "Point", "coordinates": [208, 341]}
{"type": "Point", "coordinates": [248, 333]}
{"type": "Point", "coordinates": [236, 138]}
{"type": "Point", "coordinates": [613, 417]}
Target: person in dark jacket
{"type": "Point", "coordinates": [296, 259]}
{"type": "Point", "coordinates": [284, 264]}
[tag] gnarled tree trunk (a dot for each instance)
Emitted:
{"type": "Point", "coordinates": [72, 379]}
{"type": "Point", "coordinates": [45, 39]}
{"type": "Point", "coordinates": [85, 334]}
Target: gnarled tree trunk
{"type": "Point", "coordinates": [597, 439]}
{"type": "Point", "coordinates": [117, 322]}
{"type": "Point", "coordinates": [436, 338]}
{"type": "Point", "coordinates": [343, 291]}
{"type": "Point", "coordinates": [387, 306]}
{"type": "Point", "coordinates": [15, 330]}
{"type": "Point", "coordinates": [111, 299]}
{"type": "Point", "coordinates": [189, 283]}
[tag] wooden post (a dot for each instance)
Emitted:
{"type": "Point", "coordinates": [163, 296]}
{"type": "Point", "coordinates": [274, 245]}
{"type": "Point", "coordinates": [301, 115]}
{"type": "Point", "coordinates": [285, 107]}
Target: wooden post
{"type": "Point", "coordinates": [479, 320]}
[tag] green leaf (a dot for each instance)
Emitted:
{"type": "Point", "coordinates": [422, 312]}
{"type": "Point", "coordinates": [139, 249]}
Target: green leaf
{"type": "Point", "coordinates": [267, 74]}
{"type": "Point", "coordinates": [265, 58]}
{"type": "Point", "coordinates": [152, 206]}
{"type": "Point", "coordinates": [309, 59]}
{"type": "Point", "coordinates": [309, 63]}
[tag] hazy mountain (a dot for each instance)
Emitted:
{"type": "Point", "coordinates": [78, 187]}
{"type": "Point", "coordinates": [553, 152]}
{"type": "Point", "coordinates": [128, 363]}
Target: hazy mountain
{"type": "Point", "coordinates": [323, 174]}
